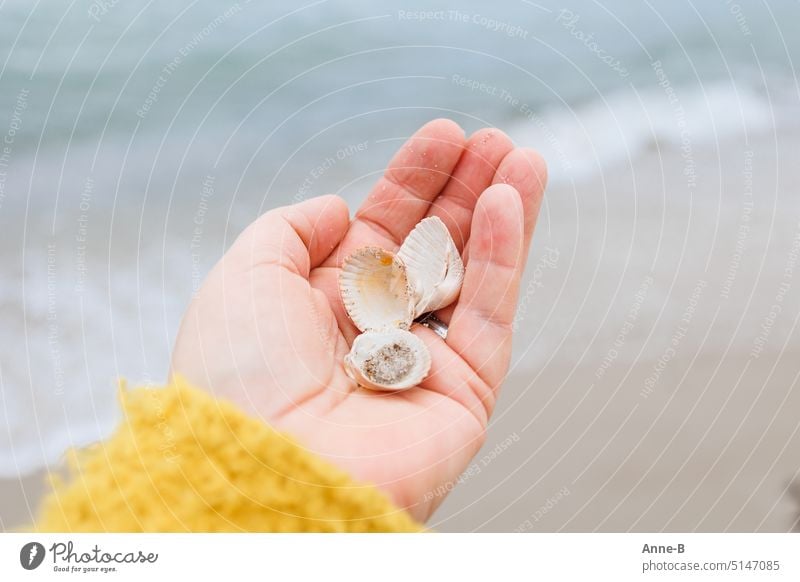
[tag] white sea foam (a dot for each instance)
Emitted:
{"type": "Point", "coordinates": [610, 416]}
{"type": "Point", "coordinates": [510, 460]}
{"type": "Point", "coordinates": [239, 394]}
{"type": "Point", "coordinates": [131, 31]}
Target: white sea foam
{"type": "Point", "coordinates": [615, 129]}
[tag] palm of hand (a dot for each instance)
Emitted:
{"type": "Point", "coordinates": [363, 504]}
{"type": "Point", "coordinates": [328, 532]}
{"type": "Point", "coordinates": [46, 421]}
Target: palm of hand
{"type": "Point", "coordinates": [268, 329]}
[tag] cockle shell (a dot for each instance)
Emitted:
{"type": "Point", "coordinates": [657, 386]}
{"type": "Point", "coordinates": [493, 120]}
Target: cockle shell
{"type": "Point", "coordinates": [433, 266]}
{"type": "Point", "coordinates": [390, 359]}
{"type": "Point", "coordinates": [375, 290]}
{"type": "Point", "coordinates": [384, 292]}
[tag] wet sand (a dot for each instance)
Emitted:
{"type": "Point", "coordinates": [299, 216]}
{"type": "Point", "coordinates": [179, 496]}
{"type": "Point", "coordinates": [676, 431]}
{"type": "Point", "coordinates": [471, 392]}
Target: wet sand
{"type": "Point", "coordinates": [19, 499]}
{"type": "Point", "coordinates": [712, 449]}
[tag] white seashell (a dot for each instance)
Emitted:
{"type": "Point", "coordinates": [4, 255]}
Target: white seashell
{"type": "Point", "coordinates": [391, 359]}
{"type": "Point", "coordinates": [383, 293]}
{"type": "Point", "coordinates": [433, 266]}
{"type": "Point", "coordinates": [375, 290]}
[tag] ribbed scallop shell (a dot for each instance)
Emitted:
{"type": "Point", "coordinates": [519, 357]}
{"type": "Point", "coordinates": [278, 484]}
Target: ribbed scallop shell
{"type": "Point", "coordinates": [433, 266]}
{"type": "Point", "coordinates": [375, 290]}
{"type": "Point", "coordinates": [391, 359]}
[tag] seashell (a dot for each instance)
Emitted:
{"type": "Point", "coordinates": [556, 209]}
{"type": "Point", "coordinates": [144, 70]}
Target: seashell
{"type": "Point", "coordinates": [375, 290]}
{"type": "Point", "coordinates": [433, 266]}
{"type": "Point", "coordinates": [384, 292]}
{"type": "Point", "coordinates": [391, 359]}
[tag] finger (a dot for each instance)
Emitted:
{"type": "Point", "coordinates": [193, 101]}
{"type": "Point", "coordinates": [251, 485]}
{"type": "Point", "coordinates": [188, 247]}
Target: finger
{"type": "Point", "coordinates": [526, 171]}
{"type": "Point", "coordinates": [298, 237]}
{"type": "Point", "coordinates": [481, 327]}
{"type": "Point", "coordinates": [401, 198]}
{"type": "Point", "coordinates": [476, 168]}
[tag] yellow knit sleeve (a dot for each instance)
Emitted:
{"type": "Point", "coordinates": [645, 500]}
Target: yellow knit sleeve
{"type": "Point", "coordinates": [183, 461]}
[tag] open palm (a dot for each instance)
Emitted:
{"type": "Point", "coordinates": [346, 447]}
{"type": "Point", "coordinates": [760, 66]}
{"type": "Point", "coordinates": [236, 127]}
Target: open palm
{"type": "Point", "coordinates": [268, 329]}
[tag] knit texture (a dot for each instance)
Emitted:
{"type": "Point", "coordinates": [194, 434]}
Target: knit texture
{"type": "Point", "coordinates": [184, 461]}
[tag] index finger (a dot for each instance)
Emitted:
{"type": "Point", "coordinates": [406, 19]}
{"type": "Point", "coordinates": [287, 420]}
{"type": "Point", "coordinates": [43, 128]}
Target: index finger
{"type": "Point", "coordinates": [401, 198]}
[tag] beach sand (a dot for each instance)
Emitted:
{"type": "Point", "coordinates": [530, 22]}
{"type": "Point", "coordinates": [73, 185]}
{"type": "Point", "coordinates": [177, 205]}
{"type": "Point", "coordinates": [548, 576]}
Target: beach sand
{"type": "Point", "coordinates": [714, 449]}
{"type": "Point", "coordinates": [19, 499]}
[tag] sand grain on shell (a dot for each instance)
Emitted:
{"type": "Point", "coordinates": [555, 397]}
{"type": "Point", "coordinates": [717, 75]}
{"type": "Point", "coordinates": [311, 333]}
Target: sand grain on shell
{"type": "Point", "coordinates": [389, 364]}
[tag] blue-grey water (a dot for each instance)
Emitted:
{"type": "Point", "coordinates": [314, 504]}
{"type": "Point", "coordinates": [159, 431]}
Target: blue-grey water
{"type": "Point", "coordinates": [126, 125]}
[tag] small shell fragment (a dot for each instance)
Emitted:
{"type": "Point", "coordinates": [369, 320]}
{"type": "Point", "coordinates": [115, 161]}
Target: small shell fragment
{"type": "Point", "coordinates": [393, 359]}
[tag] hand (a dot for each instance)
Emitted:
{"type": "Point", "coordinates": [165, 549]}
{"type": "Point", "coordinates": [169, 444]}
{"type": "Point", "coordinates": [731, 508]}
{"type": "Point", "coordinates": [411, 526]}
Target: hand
{"type": "Point", "coordinates": [268, 330]}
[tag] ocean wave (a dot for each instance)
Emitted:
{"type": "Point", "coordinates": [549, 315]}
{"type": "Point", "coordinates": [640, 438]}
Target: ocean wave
{"type": "Point", "coordinates": [585, 139]}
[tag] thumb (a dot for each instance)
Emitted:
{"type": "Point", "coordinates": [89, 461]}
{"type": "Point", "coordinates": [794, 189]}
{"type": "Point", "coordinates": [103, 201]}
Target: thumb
{"type": "Point", "coordinates": [298, 237]}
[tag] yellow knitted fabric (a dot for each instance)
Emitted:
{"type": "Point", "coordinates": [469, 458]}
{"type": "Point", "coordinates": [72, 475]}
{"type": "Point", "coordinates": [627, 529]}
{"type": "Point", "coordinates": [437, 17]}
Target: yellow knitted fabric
{"type": "Point", "coordinates": [183, 461]}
